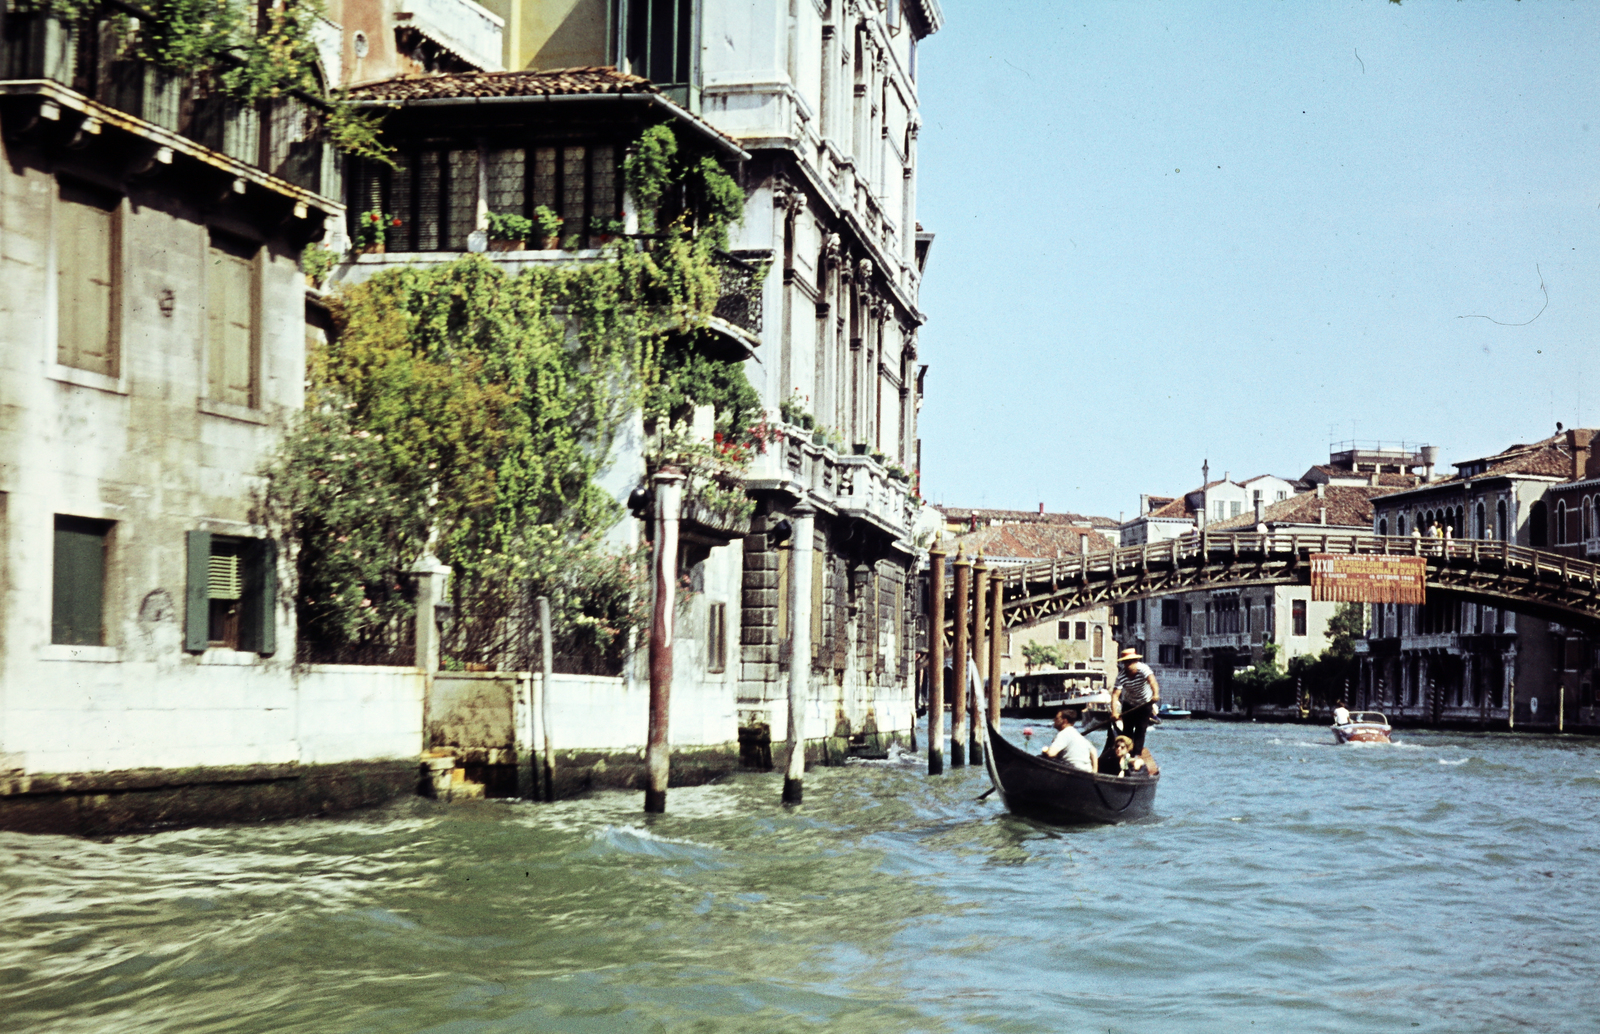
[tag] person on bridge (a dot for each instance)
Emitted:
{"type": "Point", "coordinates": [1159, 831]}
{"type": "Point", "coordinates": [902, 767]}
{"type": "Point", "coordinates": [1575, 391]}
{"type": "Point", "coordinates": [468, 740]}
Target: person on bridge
{"type": "Point", "coordinates": [1135, 697]}
{"type": "Point", "coordinates": [1070, 745]}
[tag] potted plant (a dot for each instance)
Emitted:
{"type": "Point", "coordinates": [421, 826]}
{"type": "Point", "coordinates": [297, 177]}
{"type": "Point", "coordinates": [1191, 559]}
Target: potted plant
{"type": "Point", "coordinates": [819, 437]}
{"type": "Point", "coordinates": [603, 230]}
{"type": "Point", "coordinates": [372, 230]}
{"type": "Point", "coordinates": [316, 262]}
{"type": "Point", "coordinates": [858, 449]}
{"type": "Point", "coordinates": [879, 458]}
{"type": "Point", "coordinates": [508, 231]}
{"type": "Point", "coordinates": [549, 226]}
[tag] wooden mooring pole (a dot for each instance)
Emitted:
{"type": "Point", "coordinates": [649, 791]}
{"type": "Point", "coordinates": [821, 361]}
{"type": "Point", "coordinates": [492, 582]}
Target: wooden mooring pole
{"type": "Point", "coordinates": [997, 639]}
{"type": "Point", "coordinates": [669, 507]}
{"type": "Point", "coordinates": [799, 650]}
{"type": "Point", "coordinates": [936, 661]}
{"type": "Point", "coordinates": [980, 600]}
{"type": "Point", "coordinates": [958, 663]}
{"type": "Point", "coordinates": [549, 659]}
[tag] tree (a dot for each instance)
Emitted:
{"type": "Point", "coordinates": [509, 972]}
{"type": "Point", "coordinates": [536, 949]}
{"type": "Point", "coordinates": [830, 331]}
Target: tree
{"type": "Point", "coordinates": [1347, 625]}
{"type": "Point", "coordinates": [1036, 655]}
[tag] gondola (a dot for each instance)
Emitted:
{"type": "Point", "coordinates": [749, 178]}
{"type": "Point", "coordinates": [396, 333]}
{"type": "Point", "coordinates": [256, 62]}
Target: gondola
{"type": "Point", "coordinates": [1035, 786]}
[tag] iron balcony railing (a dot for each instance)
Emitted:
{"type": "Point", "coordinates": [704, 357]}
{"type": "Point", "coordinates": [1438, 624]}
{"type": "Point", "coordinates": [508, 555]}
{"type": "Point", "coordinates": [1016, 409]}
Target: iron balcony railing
{"type": "Point", "coordinates": [740, 300]}
{"type": "Point", "coordinates": [92, 56]}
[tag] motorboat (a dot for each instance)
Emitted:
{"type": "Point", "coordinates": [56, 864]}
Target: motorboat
{"type": "Point", "coordinates": [1363, 727]}
{"type": "Point", "coordinates": [1167, 711]}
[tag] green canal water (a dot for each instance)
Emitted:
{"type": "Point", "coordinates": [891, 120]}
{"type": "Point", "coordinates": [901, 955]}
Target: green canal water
{"type": "Point", "coordinates": [1450, 883]}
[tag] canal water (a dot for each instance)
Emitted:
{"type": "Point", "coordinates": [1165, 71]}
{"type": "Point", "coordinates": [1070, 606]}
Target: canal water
{"type": "Point", "coordinates": [1450, 883]}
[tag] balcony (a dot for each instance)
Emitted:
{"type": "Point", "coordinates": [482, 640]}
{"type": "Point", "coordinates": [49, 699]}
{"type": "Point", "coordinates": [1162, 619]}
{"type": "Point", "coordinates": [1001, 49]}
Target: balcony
{"type": "Point", "coordinates": [80, 76]}
{"type": "Point", "coordinates": [854, 486]}
{"type": "Point", "coordinates": [469, 32]}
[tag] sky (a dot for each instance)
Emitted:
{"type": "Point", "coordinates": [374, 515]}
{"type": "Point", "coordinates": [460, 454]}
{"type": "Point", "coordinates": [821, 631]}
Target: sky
{"type": "Point", "coordinates": [1168, 233]}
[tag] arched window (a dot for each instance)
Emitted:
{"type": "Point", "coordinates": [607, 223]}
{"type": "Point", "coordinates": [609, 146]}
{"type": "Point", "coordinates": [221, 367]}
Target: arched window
{"type": "Point", "coordinates": [1383, 525]}
{"type": "Point", "coordinates": [1561, 522]}
{"type": "Point", "coordinates": [1500, 520]}
{"type": "Point", "coordinates": [1477, 522]}
{"type": "Point", "coordinates": [1400, 524]}
{"type": "Point", "coordinates": [1538, 524]}
{"type": "Point", "coordinates": [1588, 518]}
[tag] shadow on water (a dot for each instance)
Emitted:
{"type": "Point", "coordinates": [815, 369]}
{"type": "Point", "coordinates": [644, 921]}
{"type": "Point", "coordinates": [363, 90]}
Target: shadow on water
{"type": "Point", "coordinates": [1446, 885]}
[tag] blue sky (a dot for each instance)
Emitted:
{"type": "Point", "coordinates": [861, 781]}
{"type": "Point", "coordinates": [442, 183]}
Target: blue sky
{"type": "Point", "coordinates": [1185, 231]}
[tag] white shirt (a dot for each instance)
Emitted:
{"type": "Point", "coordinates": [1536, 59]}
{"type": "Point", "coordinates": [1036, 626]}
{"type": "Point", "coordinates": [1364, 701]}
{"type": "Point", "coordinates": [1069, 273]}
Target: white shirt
{"type": "Point", "coordinates": [1071, 746]}
{"type": "Point", "coordinates": [1341, 716]}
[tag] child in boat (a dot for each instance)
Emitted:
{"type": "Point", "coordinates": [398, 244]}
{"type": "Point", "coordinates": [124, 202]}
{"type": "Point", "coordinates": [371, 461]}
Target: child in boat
{"type": "Point", "coordinates": [1127, 763]}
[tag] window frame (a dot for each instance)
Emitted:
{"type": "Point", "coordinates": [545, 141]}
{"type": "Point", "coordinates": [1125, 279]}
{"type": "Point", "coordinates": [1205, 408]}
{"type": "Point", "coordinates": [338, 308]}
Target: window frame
{"type": "Point", "coordinates": [716, 637]}
{"type": "Point", "coordinates": [258, 599]}
{"type": "Point", "coordinates": [1299, 618]}
{"type": "Point", "coordinates": [116, 382]}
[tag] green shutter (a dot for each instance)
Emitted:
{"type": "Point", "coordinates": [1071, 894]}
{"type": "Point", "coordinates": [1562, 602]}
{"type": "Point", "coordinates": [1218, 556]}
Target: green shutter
{"type": "Point", "coordinates": [78, 582]}
{"type": "Point", "coordinates": [197, 594]}
{"type": "Point", "coordinates": [258, 630]}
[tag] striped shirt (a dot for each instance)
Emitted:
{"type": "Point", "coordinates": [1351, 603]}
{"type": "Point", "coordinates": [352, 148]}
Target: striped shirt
{"type": "Point", "coordinates": [1131, 683]}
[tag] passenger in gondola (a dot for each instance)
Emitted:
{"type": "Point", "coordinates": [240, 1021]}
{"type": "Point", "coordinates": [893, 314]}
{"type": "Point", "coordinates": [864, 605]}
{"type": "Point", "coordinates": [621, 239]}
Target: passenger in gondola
{"type": "Point", "coordinates": [1127, 762]}
{"type": "Point", "coordinates": [1070, 746]}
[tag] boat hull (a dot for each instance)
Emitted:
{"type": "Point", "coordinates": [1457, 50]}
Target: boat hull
{"type": "Point", "coordinates": [1361, 734]}
{"type": "Point", "coordinates": [1039, 788]}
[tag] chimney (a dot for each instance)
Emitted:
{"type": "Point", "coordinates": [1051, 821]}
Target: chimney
{"type": "Point", "coordinates": [1579, 438]}
{"type": "Point", "coordinates": [1322, 515]}
{"type": "Point", "coordinates": [1144, 504]}
{"type": "Point", "coordinates": [1226, 474]}
{"type": "Point", "coordinates": [1374, 481]}
{"type": "Point", "coordinates": [1258, 510]}
{"type": "Point", "coordinates": [1430, 458]}
{"type": "Point", "coordinates": [1322, 490]}
{"type": "Point", "coordinates": [1041, 509]}
{"type": "Point", "coordinates": [1083, 543]}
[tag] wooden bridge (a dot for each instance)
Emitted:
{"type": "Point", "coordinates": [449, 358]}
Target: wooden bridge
{"type": "Point", "coordinates": [1528, 581]}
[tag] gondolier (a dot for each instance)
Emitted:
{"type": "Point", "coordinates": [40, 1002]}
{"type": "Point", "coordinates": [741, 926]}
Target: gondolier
{"type": "Point", "coordinates": [1135, 697]}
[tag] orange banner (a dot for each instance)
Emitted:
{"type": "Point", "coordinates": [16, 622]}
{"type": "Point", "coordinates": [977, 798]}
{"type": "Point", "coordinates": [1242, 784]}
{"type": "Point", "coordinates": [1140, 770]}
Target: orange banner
{"type": "Point", "coordinates": [1340, 578]}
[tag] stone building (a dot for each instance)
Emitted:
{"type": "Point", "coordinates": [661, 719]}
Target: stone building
{"type": "Point", "coordinates": [820, 101]}
{"type": "Point", "coordinates": [153, 347]}
{"type": "Point", "coordinates": [1449, 661]}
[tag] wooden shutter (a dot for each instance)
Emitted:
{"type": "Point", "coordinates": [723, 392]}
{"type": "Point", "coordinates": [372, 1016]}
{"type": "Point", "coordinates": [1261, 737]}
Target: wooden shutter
{"type": "Point", "coordinates": [78, 582]}
{"type": "Point", "coordinates": [258, 629]}
{"type": "Point", "coordinates": [197, 593]}
{"type": "Point", "coordinates": [230, 323]}
{"type": "Point", "coordinates": [86, 280]}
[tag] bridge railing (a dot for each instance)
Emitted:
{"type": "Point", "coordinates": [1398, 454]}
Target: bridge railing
{"type": "Point", "coordinates": [1198, 550]}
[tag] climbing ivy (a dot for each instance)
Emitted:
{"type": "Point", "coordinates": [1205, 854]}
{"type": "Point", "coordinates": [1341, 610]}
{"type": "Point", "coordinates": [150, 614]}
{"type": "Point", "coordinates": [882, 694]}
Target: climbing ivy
{"type": "Point", "coordinates": [466, 411]}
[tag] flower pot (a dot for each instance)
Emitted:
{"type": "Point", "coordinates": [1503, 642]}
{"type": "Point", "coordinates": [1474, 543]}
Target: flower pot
{"type": "Point", "coordinates": [507, 245]}
{"type": "Point", "coordinates": [552, 242]}
{"type": "Point", "coordinates": [807, 420]}
{"type": "Point", "coordinates": [818, 438]}
{"type": "Point", "coordinates": [370, 249]}
{"type": "Point", "coordinates": [859, 449]}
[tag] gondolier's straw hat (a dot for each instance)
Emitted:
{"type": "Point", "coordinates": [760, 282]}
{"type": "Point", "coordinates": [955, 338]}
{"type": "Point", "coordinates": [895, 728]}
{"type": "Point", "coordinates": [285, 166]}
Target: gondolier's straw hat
{"type": "Point", "coordinates": [1129, 654]}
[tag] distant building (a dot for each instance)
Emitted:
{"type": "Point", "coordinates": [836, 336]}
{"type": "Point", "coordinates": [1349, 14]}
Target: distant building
{"type": "Point", "coordinates": [1161, 518]}
{"type": "Point", "coordinates": [1453, 661]}
{"type": "Point", "coordinates": [959, 520]}
{"type": "Point", "coordinates": [1083, 637]}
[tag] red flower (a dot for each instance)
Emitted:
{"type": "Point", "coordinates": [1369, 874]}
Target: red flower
{"type": "Point", "coordinates": [374, 216]}
{"type": "Point", "coordinates": [395, 223]}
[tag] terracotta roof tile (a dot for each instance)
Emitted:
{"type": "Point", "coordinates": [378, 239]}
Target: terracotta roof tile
{"type": "Point", "coordinates": [964, 514]}
{"type": "Point", "coordinates": [552, 82]}
{"type": "Point", "coordinates": [1030, 541]}
{"type": "Point", "coordinates": [1349, 506]}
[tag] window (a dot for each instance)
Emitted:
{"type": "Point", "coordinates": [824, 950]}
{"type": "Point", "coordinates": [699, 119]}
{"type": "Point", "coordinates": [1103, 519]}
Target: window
{"type": "Point", "coordinates": [1383, 525]}
{"type": "Point", "coordinates": [1235, 509]}
{"type": "Point", "coordinates": [1081, 631]}
{"type": "Point", "coordinates": [78, 580]}
{"type": "Point", "coordinates": [1299, 617]}
{"type": "Point", "coordinates": [658, 37]}
{"type": "Point", "coordinates": [1063, 630]}
{"type": "Point", "coordinates": [1500, 520]}
{"type": "Point", "coordinates": [87, 282]}
{"type": "Point", "coordinates": [231, 596]}
{"type": "Point", "coordinates": [1588, 519]}
{"type": "Point", "coordinates": [1219, 510]}
{"type": "Point", "coordinates": [1249, 616]}
{"type": "Point", "coordinates": [1538, 525]}
{"type": "Point", "coordinates": [1099, 650]}
{"type": "Point", "coordinates": [1169, 613]}
{"type": "Point", "coordinates": [1561, 523]}
{"type": "Point", "coordinates": [717, 638]}
{"type": "Point", "coordinates": [1167, 655]}
{"type": "Point", "coordinates": [231, 340]}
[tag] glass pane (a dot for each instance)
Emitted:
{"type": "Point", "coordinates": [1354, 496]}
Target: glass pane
{"type": "Point", "coordinates": [544, 178]}
{"type": "Point", "coordinates": [508, 184]}
{"type": "Point", "coordinates": [605, 206]}
{"type": "Point", "coordinates": [400, 199]}
{"type": "Point", "coordinates": [572, 189]}
{"type": "Point", "coordinates": [463, 199]}
{"type": "Point", "coordinates": [427, 233]}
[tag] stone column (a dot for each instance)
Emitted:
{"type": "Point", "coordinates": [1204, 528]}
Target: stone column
{"type": "Point", "coordinates": [433, 585]}
{"type": "Point", "coordinates": [802, 519]}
